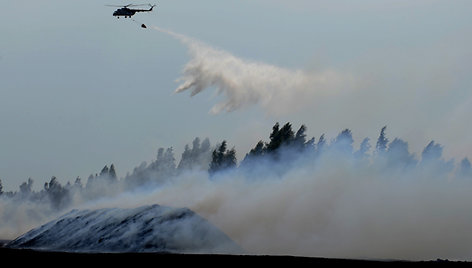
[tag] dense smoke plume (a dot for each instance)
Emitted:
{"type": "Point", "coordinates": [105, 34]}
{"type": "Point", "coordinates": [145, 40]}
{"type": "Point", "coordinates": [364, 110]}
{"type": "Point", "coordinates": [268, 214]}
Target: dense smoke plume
{"type": "Point", "coordinates": [294, 195]}
{"type": "Point", "coordinates": [289, 195]}
{"type": "Point", "coordinates": [244, 82]}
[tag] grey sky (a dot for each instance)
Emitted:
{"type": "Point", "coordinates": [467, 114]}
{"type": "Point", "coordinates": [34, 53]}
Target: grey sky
{"type": "Point", "coordinates": [81, 89]}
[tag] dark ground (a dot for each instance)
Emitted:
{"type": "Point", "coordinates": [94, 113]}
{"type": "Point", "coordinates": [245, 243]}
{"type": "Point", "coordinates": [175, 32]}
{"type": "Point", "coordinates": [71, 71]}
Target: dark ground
{"type": "Point", "coordinates": [15, 257]}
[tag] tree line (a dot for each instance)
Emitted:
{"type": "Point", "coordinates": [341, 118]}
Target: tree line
{"type": "Point", "coordinates": [284, 150]}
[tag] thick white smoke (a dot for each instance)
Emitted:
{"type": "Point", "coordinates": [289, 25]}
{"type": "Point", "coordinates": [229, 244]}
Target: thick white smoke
{"type": "Point", "coordinates": [329, 206]}
{"type": "Point", "coordinates": [245, 82]}
{"type": "Point", "coordinates": [333, 205]}
{"type": "Point", "coordinates": [336, 209]}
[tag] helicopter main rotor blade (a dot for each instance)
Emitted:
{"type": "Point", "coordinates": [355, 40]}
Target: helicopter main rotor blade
{"type": "Point", "coordinates": [141, 5]}
{"type": "Point", "coordinates": [128, 5]}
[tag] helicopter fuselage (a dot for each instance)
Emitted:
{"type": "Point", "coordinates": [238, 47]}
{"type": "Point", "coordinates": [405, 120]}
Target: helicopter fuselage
{"type": "Point", "coordinates": [126, 12]}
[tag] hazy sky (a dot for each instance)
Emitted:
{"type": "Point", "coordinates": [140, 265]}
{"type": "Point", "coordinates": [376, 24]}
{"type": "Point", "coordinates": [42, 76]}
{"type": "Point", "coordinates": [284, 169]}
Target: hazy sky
{"type": "Point", "coordinates": [81, 89]}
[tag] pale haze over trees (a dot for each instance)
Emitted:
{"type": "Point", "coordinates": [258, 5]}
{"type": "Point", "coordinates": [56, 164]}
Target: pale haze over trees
{"type": "Point", "coordinates": [284, 147]}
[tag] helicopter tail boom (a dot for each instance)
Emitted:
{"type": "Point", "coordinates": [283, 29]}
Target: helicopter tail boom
{"type": "Point", "coordinates": [145, 10]}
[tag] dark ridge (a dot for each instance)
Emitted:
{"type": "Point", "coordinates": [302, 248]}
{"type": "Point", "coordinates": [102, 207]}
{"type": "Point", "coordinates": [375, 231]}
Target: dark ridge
{"type": "Point", "coordinates": [21, 256]}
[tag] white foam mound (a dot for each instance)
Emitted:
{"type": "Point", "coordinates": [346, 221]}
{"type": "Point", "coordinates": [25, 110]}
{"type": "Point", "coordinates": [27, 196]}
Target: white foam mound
{"type": "Point", "coordinates": [144, 229]}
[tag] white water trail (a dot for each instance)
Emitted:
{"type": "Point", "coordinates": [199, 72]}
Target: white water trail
{"type": "Point", "coordinates": [244, 82]}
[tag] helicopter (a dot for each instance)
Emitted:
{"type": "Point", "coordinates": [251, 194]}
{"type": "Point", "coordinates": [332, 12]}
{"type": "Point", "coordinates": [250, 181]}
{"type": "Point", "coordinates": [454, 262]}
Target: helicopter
{"type": "Point", "coordinates": [129, 12]}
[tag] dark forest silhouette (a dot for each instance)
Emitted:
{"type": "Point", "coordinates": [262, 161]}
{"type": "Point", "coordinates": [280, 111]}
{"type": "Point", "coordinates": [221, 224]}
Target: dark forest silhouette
{"type": "Point", "coordinates": [284, 148]}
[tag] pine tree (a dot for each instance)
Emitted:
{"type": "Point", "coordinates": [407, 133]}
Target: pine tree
{"type": "Point", "coordinates": [274, 138]}
{"type": "Point", "coordinates": [205, 146]}
{"type": "Point", "coordinates": [299, 141]}
{"type": "Point", "coordinates": [254, 154]}
{"type": "Point", "coordinates": [90, 182]}
{"type": "Point", "coordinates": [230, 160]}
{"type": "Point", "coordinates": [363, 149]}
{"type": "Point", "coordinates": [195, 146]}
{"type": "Point", "coordinates": [78, 183]}
{"type": "Point", "coordinates": [320, 145]}
{"type": "Point", "coordinates": [343, 142]}
{"type": "Point", "coordinates": [432, 151]}
{"type": "Point", "coordinates": [196, 157]}
{"type": "Point", "coordinates": [222, 158]}
{"type": "Point", "coordinates": [112, 172]}
{"type": "Point", "coordinates": [258, 150]}
{"type": "Point", "coordinates": [105, 171]}
{"type": "Point", "coordinates": [160, 154]}
{"type": "Point", "coordinates": [382, 141]}
{"type": "Point", "coordinates": [431, 159]}
{"type": "Point", "coordinates": [185, 159]}
{"type": "Point", "coordinates": [280, 137]}
{"type": "Point", "coordinates": [399, 156]}
{"type": "Point", "coordinates": [26, 187]}
{"type": "Point", "coordinates": [169, 160]}
{"type": "Point", "coordinates": [58, 195]}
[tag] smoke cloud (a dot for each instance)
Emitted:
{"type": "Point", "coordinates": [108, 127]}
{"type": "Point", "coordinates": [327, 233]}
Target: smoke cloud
{"type": "Point", "coordinates": [328, 201]}
{"type": "Point", "coordinates": [244, 82]}
{"type": "Point", "coordinates": [335, 208]}
{"type": "Point", "coordinates": [332, 203]}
